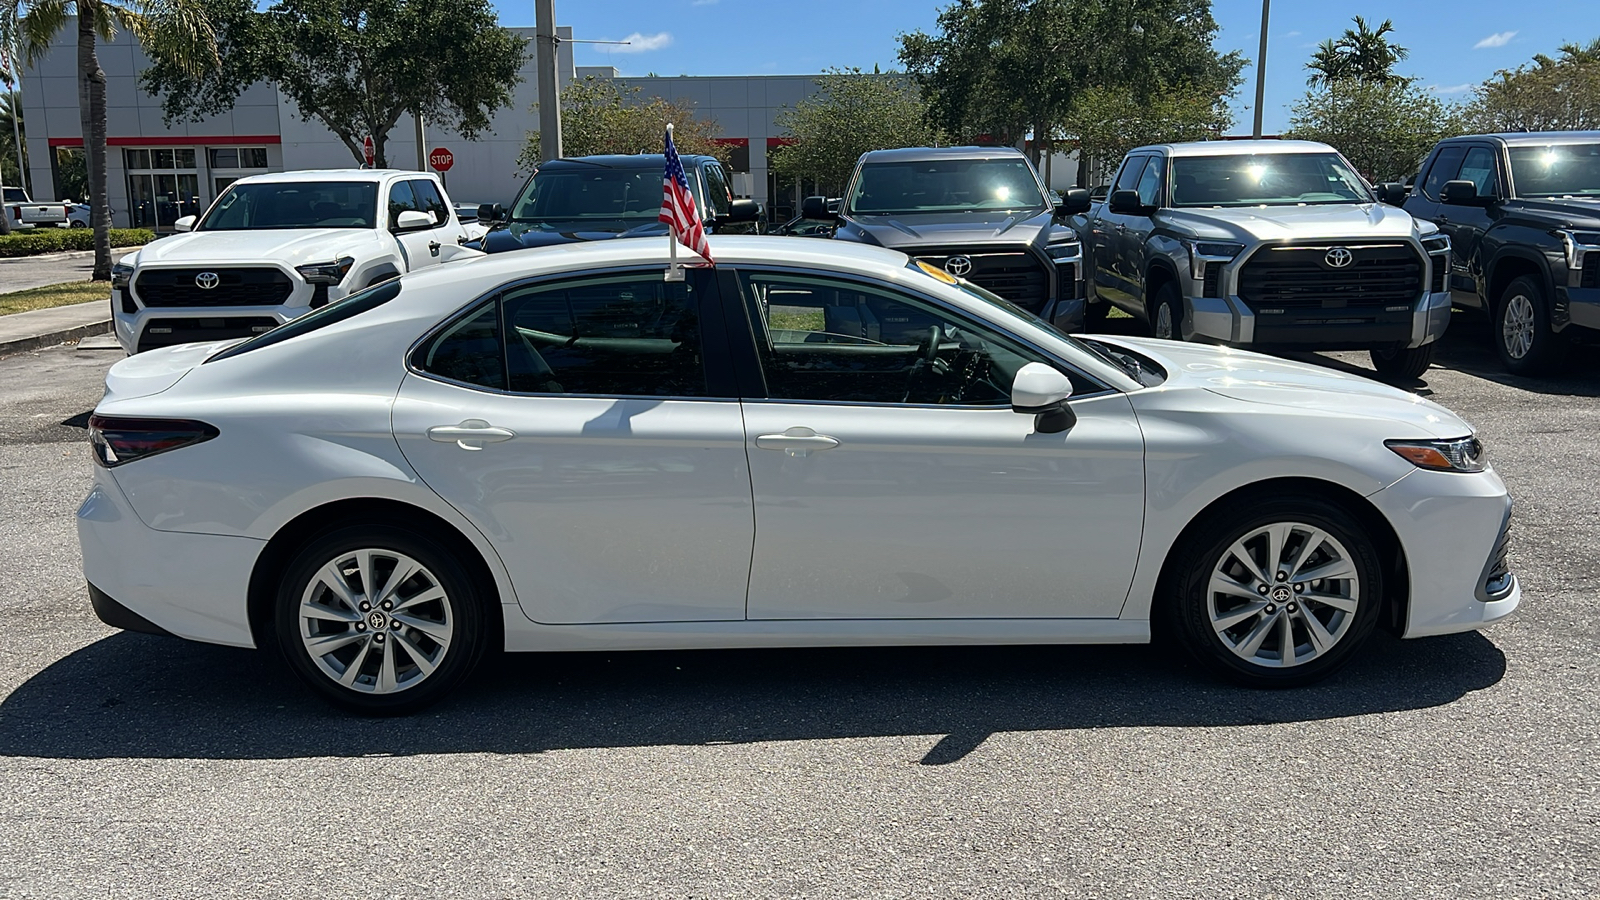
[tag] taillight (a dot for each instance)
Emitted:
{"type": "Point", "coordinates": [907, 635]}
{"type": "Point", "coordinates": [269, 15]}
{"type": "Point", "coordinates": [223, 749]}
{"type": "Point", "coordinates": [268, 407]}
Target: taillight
{"type": "Point", "coordinates": [122, 439]}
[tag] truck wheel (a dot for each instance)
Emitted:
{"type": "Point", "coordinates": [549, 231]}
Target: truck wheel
{"type": "Point", "coordinates": [1522, 332]}
{"type": "Point", "coordinates": [1404, 364]}
{"type": "Point", "coordinates": [1094, 316]}
{"type": "Point", "coordinates": [1166, 316]}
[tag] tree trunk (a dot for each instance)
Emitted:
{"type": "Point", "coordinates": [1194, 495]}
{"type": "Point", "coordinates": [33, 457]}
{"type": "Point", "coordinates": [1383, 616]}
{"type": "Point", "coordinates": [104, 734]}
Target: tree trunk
{"type": "Point", "coordinates": [92, 117]}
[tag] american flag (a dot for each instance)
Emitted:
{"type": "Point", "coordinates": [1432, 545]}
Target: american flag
{"type": "Point", "coordinates": [677, 206]}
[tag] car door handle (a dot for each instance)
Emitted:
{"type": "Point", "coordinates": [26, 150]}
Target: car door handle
{"type": "Point", "coordinates": [796, 441]}
{"type": "Point", "coordinates": [1121, 228]}
{"type": "Point", "coordinates": [471, 434]}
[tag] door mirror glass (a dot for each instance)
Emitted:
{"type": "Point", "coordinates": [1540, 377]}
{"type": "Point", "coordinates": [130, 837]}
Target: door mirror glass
{"type": "Point", "coordinates": [491, 212]}
{"type": "Point", "coordinates": [1042, 391]}
{"type": "Point", "coordinates": [1125, 202]}
{"type": "Point", "coordinates": [412, 219]}
{"type": "Point", "coordinates": [184, 223]}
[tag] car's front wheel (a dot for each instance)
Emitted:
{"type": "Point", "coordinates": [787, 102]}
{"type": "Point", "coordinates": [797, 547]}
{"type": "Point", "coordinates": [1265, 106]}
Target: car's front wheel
{"type": "Point", "coordinates": [1281, 593]}
{"type": "Point", "coordinates": [1404, 364]}
{"type": "Point", "coordinates": [379, 619]}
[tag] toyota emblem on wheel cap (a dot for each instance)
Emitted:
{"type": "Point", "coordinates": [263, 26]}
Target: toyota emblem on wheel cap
{"type": "Point", "coordinates": [958, 265]}
{"type": "Point", "coordinates": [205, 281]}
{"type": "Point", "coordinates": [1338, 258]}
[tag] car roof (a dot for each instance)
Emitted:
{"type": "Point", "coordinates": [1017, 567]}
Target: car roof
{"type": "Point", "coordinates": [1235, 148]}
{"type": "Point", "coordinates": [1531, 138]}
{"type": "Point", "coordinates": [919, 154]}
{"type": "Point", "coordinates": [303, 175]}
{"type": "Point", "coordinates": [621, 161]}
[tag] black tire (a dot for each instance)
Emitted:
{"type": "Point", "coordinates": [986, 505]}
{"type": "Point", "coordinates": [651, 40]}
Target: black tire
{"type": "Point", "coordinates": [1186, 598]}
{"type": "Point", "coordinates": [1167, 298]}
{"type": "Point", "coordinates": [461, 615]}
{"type": "Point", "coordinates": [1536, 348]}
{"type": "Point", "coordinates": [1404, 364]}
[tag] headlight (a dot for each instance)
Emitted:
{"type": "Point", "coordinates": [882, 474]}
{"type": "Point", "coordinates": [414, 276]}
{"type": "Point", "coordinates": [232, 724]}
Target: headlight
{"type": "Point", "coordinates": [1434, 244]}
{"type": "Point", "coordinates": [326, 273]}
{"type": "Point", "coordinates": [1064, 247]}
{"type": "Point", "coordinates": [1578, 243]}
{"type": "Point", "coordinates": [1202, 252]}
{"type": "Point", "coordinates": [121, 274]}
{"type": "Point", "coordinates": [1457, 455]}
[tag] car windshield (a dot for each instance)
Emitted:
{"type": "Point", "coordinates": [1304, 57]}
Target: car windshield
{"type": "Point", "coordinates": [946, 185]}
{"type": "Point", "coordinates": [1561, 170]}
{"type": "Point", "coordinates": [294, 204]}
{"type": "Point", "coordinates": [594, 198]}
{"type": "Point", "coordinates": [1265, 179]}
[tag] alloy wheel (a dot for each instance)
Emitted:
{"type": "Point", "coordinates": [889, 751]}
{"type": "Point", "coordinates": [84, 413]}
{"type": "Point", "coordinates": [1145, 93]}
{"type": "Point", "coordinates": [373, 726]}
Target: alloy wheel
{"type": "Point", "coordinates": [1163, 326]}
{"type": "Point", "coordinates": [375, 621]}
{"type": "Point", "coordinates": [1517, 326]}
{"type": "Point", "coordinates": [1283, 595]}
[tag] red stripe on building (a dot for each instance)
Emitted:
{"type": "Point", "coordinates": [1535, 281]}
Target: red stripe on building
{"type": "Point", "coordinates": [779, 142]}
{"type": "Point", "coordinates": [173, 140]}
{"type": "Point", "coordinates": [731, 142]}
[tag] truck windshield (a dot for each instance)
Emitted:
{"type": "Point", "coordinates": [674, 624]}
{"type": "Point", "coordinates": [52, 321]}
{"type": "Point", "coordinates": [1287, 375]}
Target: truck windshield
{"type": "Point", "coordinates": [946, 185]}
{"type": "Point", "coordinates": [293, 204]}
{"type": "Point", "coordinates": [594, 199]}
{"type": "Point", "coordinates": [1265, 179]}
{"type": "Point", "coordinates": [1561, 170]}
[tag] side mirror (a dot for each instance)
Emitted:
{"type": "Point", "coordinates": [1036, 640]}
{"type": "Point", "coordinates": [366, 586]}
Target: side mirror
{"type": "Point", "coordinates": [816, 208]}
{"type": "Point", "coordinates": [413, 220]}
{"type": "Point", "coordinates": [743, 211]}
{"type": "Point", "coordinates": [491, 212]}
{"type": "Point", "coordinates": [1076, 201]}
{"type": "Point", "coordinates": [1393, 193]}
{"type": "Point", "coordinates": [1462, 193]}
{"type": "Point", "coordinates": [1043, 392]}
{"type": "Point", "coordinates": [1126, 203]}
{"type": "Point", "coordinates": [184, 224]}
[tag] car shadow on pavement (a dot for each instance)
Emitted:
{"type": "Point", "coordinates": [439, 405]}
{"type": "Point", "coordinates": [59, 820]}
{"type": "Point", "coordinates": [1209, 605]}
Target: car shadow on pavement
{"type": "Point", "coordinates": [138, 696]}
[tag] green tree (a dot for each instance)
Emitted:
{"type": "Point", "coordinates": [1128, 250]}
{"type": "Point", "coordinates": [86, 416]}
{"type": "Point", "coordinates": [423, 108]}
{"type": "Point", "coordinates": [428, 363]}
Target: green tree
{"type": "Point", "coordinates": [176, 31]}
{"type": "Point", "coordinates": [1107, 123]}
{"type": "Point", "coordinates": [1384, 128]}
{"type": "Point", "coordinates": [1551, 94]}
{"type": "Point", "coordinates": [851, 113]}
{"type": "Point", "coordinates": [10, 123]}
{"type": "Point", "coordinates": [599, 115]}
{"type": "Point", "coordinates": [72, 174]}
{"type": "Point", "coordinates": [356, 66]}
{"type": "Point", "coordinates": [1363, 53]}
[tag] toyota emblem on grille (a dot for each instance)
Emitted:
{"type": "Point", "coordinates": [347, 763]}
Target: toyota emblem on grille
{"type": "Point", "coordinates": [205, 281]}
{"type": "Point", "coordinates": [958, 265]}
{"type": "Point", "coordinates": [1338, 258]}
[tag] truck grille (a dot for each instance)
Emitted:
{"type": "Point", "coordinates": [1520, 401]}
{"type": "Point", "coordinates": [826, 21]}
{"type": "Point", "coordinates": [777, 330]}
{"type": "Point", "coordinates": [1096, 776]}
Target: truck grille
{"type": "Point", "coordinates": [259, 286]}
{"type": "Point", "coordinates": [1286, 278]}
{"type": "Point", "coordinates": [1591, 270]}
{"type": "Point", "coordinates": [1019, 277]}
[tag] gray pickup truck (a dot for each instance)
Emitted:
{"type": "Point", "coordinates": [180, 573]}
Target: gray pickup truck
{"type": "Point", "coordinates": [1269, 245]}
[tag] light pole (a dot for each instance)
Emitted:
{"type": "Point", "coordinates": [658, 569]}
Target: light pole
{"type": "Point", "coordinates": [544, 55]}
{"type": "Point", "coordinates": [1261, 67]}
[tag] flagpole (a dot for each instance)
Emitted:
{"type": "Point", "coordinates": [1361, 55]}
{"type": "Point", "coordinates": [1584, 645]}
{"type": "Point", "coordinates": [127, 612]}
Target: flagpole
{"type": "Point", "coordinates": [674, 270]}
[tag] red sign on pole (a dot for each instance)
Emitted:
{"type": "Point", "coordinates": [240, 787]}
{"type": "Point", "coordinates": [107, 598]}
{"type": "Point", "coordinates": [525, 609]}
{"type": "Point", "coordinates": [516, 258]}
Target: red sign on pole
{"type": "Point", "coordinates": [366, 149]}
{"type": "Point", "coordinates": [441, 159]}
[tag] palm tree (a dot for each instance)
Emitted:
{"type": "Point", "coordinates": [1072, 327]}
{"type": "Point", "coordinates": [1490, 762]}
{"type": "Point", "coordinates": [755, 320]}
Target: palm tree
{"type": "Point", "coordinates": [1363, 53]}
{"type": "Point", "coordinates": [9, 173]}
{"type": "Point", "coordinates": [178, 30]}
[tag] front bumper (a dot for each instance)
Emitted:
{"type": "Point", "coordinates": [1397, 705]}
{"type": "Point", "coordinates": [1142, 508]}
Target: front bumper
{"type": "Point", "coordinates": [1578, 306]}
{"type": "Point", "coordinates": [191, 585]}
{"type": "Point", "coordinates": [1229, 320]}
{"type": "Point", "coordinates": [1452, 527]}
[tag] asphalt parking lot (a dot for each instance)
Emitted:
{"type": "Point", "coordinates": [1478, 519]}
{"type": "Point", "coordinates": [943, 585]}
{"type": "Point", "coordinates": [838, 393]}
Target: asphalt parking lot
{"type": "Point", "coordinates": [1463, 766]}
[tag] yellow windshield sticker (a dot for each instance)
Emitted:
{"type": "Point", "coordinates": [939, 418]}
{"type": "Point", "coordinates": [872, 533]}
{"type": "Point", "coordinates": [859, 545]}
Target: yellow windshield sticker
{"type": "Point", "coordinates": [936, 272]}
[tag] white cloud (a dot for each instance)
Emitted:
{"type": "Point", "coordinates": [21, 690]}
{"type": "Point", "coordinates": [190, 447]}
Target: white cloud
{"type": "Point", "coordinates": [704, 3]}
{"type": "Point", "coordinates": [642, 43]}
{"type": "Point", "coordinates": [1290, 34]}
{"type": "Point", "coordinates": [1451, 89]}
{"type": "Point", "coordinates": [1499, 39]}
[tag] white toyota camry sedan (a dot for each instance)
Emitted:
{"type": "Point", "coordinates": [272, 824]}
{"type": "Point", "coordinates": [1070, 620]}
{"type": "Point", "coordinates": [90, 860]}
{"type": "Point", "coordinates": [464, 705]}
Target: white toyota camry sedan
{"type": "Point", "coordinates": [812, 444]}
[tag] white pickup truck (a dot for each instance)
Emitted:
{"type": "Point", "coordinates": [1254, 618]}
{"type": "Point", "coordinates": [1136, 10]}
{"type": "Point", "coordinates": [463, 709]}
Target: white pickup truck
{"type": "Point", "coordinates": [274, 247]}
{"type": "Point", "coordinates": [23, 211]}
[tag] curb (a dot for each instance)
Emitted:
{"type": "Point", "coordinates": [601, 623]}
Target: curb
{"type": "Point", "coordinates": [67, 254]}
{"type": "Point", "coordinates": [51, 339]}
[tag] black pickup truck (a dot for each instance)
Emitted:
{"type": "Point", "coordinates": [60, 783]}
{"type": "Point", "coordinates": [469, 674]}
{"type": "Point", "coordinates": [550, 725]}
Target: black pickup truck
{"type": "Point", "coordinates": [1523, 215]}
{"type": "Point", "coordinates": [980, 213]}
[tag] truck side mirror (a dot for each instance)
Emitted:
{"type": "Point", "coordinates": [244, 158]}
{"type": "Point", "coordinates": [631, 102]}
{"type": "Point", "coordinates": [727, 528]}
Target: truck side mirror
{"type": "Point", "coordinates": [1393, 193]}
{"type": "Point", "coordinates": [1463, 193]}
{"type": "Point", "coordinates": [489, 213]}
{"type": "Point", "coordinates": [742, 211]}
{"type": "Point", "coordinates": [1076, 201]}
{"type": "Point", "coordinates": [816, 208]}
{"type": "Point", "coordinates": [1126, 203]}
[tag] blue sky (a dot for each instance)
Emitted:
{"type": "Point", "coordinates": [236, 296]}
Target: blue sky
{"type": "Point", "coordinates": [1454, 43]}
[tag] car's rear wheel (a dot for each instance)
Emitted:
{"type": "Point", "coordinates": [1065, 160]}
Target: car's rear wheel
{"type": "Point", "coordinates": [1522, 333]}
{"type": "Point", "coordinates": [1279, 594]}
{"type": "Point", "coordinates": [379, 619]}
{"type": "Point", "coordinates": [1166, 316]}
{"type": "Point", "coordinates": [1404, 364]}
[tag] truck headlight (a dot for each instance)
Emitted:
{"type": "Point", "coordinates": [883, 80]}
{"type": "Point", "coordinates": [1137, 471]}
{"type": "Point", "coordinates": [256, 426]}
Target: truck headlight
{"type": "Point", "coordinates": [326, 273]}
{"type": "Point", "coordinates": [1064, 249]}
{"type": "Point", "coordinates": [1203, 252]}
{"type": "Point", "coordinates": [121, 274]}
{"type": "Point", "coordinates": [1455, 455]}
{"type": "Point", "coordinates": [1436, 244]}
{"type": "Point", "coordinates": [1578, 243]}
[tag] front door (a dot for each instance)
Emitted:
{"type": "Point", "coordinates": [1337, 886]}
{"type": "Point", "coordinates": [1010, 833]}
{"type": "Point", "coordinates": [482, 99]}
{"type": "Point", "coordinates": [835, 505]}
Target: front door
{"type": "Point", "coordinates": [574, 424]}
{"type": "Point", "coordinates": [893, 481]}
{"type": "Point", "coordinates": [420, 246]}
{"type": "Point", "coordinates": [1466, 224]}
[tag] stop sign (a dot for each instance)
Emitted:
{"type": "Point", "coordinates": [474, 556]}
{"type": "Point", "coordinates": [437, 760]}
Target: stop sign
{"type": "Point", "coordinates": [366, 149]}
{"type": "Point", "coordinates": [441, 159]}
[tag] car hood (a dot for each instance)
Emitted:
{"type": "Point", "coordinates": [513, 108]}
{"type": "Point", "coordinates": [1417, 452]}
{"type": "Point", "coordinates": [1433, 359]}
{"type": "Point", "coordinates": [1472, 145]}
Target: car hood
{"type": "Point", "coordinates": [518, 235]}
{"type": "Point", "coordinates": [1277, 224]}
{"type": "Point", "coordinates": [1259, 378]}
{"type": "Point", "coordinates": [1571, 212]}
{"type": "Point", "coordinates": [292, 246]}
{"type": "Point", "coordinates": [944, 229]}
